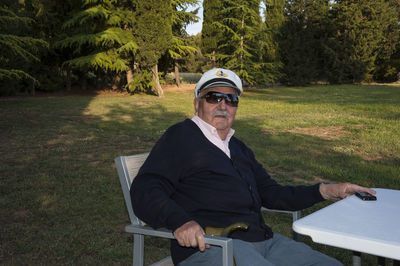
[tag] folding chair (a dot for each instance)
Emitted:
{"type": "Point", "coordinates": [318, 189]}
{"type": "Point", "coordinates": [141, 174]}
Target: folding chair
{"type": "Point", "coordinates": [128, 167]}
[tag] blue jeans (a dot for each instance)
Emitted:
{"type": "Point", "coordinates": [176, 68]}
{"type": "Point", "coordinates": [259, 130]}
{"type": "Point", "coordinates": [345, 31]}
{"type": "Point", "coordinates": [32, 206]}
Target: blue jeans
{"type": "Point", "coordinates": [278, 250]}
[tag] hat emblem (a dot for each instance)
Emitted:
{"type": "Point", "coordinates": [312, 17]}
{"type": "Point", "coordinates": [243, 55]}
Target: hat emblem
{"type": "Point", "coordinates": [221, 74]}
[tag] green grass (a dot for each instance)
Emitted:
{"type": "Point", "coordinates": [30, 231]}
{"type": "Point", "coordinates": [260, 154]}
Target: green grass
{"type": "Point", "coordinates": [61, 201]}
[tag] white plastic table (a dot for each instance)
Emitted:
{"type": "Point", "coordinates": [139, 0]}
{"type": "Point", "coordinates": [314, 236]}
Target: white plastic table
{"type": "Point", "coordinates": [363, 226]}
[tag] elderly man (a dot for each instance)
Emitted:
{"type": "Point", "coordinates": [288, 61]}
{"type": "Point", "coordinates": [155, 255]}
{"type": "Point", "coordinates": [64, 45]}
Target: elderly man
{"type": "Point", "coordinates": [198, 174]}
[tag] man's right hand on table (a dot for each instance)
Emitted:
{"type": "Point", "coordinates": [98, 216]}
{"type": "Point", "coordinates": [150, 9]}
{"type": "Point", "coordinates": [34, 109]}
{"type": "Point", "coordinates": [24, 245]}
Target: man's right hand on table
{"type": "Point", "coordinates": [191, 234]}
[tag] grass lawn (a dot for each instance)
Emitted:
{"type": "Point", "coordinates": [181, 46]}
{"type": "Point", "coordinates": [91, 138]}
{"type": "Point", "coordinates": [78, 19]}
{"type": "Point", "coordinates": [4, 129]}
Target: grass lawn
{"type": "Point", "coordinates": [61, 201]}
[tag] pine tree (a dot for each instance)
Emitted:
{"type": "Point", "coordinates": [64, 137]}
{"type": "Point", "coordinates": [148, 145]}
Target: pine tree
{"type": "Point", "coordinates": [240, 26]}
{"type": "Point", "coordinates": [180, 45]}
{"type": "Point", "coordinates": [387, 63]}
{"type": "Point", "coordinates": [271, 64]}
{"type": "Point", "coordinates": [50, 16]}
{"type": "Point", "coordinates": [195, 62]}
{"type": "Point", "coordinates": [274, 19]}
{"type": "Point", "coordinates": [153, 33]}
{"type": "Point", "coordinates": [303, 37]}
{"type": "Point", "coordinates": [97, 39]}
{"type": "Point", "coordinates": [211, 35]}
{"type": "Point", "coordinates": [361, 29]}
{"type": "Point", "coordinates": [18, 51]}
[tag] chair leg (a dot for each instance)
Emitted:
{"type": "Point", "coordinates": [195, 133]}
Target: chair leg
{"type": "Point", "coordinates": [138, 250]}
{"type": "Point", "coordinates": [296, 215]}
{"type": "Point", "coordinates": [296, 236]}
{"type": "Point", "coordinates": [356, 258]}
{"type": "Point", "coordinates": [227, 254]}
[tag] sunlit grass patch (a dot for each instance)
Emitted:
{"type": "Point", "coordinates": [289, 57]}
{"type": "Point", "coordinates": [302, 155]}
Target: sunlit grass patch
{"type": "Point", "coordinates": [61, 202]}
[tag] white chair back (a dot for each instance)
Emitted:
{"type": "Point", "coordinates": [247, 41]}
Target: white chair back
{"type": "Point", "coordinates": [128, 167]}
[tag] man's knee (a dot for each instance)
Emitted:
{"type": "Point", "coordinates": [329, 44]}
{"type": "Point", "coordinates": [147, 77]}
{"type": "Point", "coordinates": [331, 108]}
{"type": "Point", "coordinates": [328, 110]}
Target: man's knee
{"type": "Point", "coordinates": [211, 256]}
{"type": "Point", "coordinates": [286, 251]}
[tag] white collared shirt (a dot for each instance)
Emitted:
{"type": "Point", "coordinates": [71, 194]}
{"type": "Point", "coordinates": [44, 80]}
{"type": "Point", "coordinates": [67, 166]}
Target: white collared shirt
{"type": "Point", "coordinates": [211, 134]}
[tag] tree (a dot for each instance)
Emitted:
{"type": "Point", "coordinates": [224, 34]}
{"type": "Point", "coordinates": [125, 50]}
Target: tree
{"type": "Point", "coordinates": [270, 34]}
{"type": "Point", "coordinates": [274, 19]}
{"type": "Point", "coordinates": [153, 33]}
{"type": "Point", "coordinates": [387, 63]}
{"type": "Point", "coordinates": [361, 29]}
{"type": "Point", "coordinates": [19, 51]}
{"type": "Point", "coordinates": [180, 44]}
{"type": "Point", "coordinates": [211, 35]}
{"type": "Point", "coordinates": [388, 69]}
{"type": "Point", "coordinates": [97, 41]}
{"type": "Point", "coordinates": [179, 48]}
{"type": "Point", "coordinates": [303, 37]}
{"type": "Point", "coordinates": [195, 62]}
{"type": "Point", "coordinates": [240, 25]}
{"type": "Point", "coordinates": [49, 16]}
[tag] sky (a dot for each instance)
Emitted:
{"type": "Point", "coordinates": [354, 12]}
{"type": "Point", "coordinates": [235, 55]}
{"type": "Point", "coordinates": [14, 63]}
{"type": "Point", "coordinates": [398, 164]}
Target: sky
{"type": "Point", "coordinates": [194, 28]}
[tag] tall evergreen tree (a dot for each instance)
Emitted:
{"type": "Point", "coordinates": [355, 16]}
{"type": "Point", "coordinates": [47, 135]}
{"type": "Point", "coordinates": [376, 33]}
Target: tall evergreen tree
{"type": "Point", "coordinates": [302, 38]}
{"type": "Point", "coordinates": [153, 32]}
{"type": "Point", "coordinates": [274, 19]}
{"type": "Point", "coordinates": [240, 25]}
{"type": "Point", "coordinates": [195, 62]}
{"type": "Point", "coordinates": [180, 44]}
{"type": "Point", "coordinates": [50, 16]}
{"type": "Point", "coordinates": [271, 65]}
{"type": "Point", "coordinates": [19, 51]}
{"type": "Point", "coordinates": [361, 29]}
{"type": "Point", "coordinates": [211, 35]}
{"type": "Point", "coordinates": [97, 41]}
{"type": "Point", "coordinates": [387, 63]}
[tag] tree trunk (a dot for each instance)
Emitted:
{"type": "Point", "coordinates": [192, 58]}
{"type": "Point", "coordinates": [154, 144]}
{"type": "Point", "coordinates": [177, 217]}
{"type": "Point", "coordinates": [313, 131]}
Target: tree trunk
{"type": "Point", "coordinates": [68, 81]}
{"type": "Point", "coordinates": [84, 82]}
{"type": "Point", "coordinates": [100, 81]}
{"type": "Point", "coordinates": [156, 80]}
{"type": "Point", "coordinates": [177, 78]}
{"type": "Point", "coordinates": [241, 43]}
{"type": "Point", "coordinates": [30, 89]}
{"type": "Point", "coordinates": [33, 88]}
{"type": "Point", "coordinates": [129, 78]}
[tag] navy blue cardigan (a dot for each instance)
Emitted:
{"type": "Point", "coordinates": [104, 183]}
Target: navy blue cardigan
{"type": "Point", "coordinates": [186, 177]}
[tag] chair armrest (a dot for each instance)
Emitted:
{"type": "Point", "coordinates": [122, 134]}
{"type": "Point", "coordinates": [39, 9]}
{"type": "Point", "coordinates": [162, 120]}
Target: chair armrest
{"type": "Point", "coordinates": [295, 215]}
{"type": "Point", "coordinates": [148, 231]}
{"type": "Point", "coordinates": [225, 243]}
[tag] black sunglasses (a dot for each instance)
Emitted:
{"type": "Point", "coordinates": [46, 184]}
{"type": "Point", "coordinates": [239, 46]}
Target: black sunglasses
{"type": "Point", "coordinates": [215, 97]}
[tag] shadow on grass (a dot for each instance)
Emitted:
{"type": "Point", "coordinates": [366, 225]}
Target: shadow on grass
{"type": "Point", "coordinates": [296, 159]}
{"type": "Point", "coordinates": [292, 157]}
{"type": "Point", "coordinates": [61, 200]}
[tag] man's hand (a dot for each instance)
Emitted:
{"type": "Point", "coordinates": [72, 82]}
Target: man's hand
{"type": "Point", "coordinates": [191, 234]}
{"type": "Point", "coordinates": [342, 190]}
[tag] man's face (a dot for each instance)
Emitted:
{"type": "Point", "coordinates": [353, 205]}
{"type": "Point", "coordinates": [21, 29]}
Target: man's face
{"type": "Point", "coordinates": [219, 115]}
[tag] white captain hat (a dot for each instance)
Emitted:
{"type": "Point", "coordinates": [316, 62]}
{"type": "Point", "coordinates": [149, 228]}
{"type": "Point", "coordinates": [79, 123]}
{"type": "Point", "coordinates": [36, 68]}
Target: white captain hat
{"type": "Point", "coordinates": [218, 77]}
